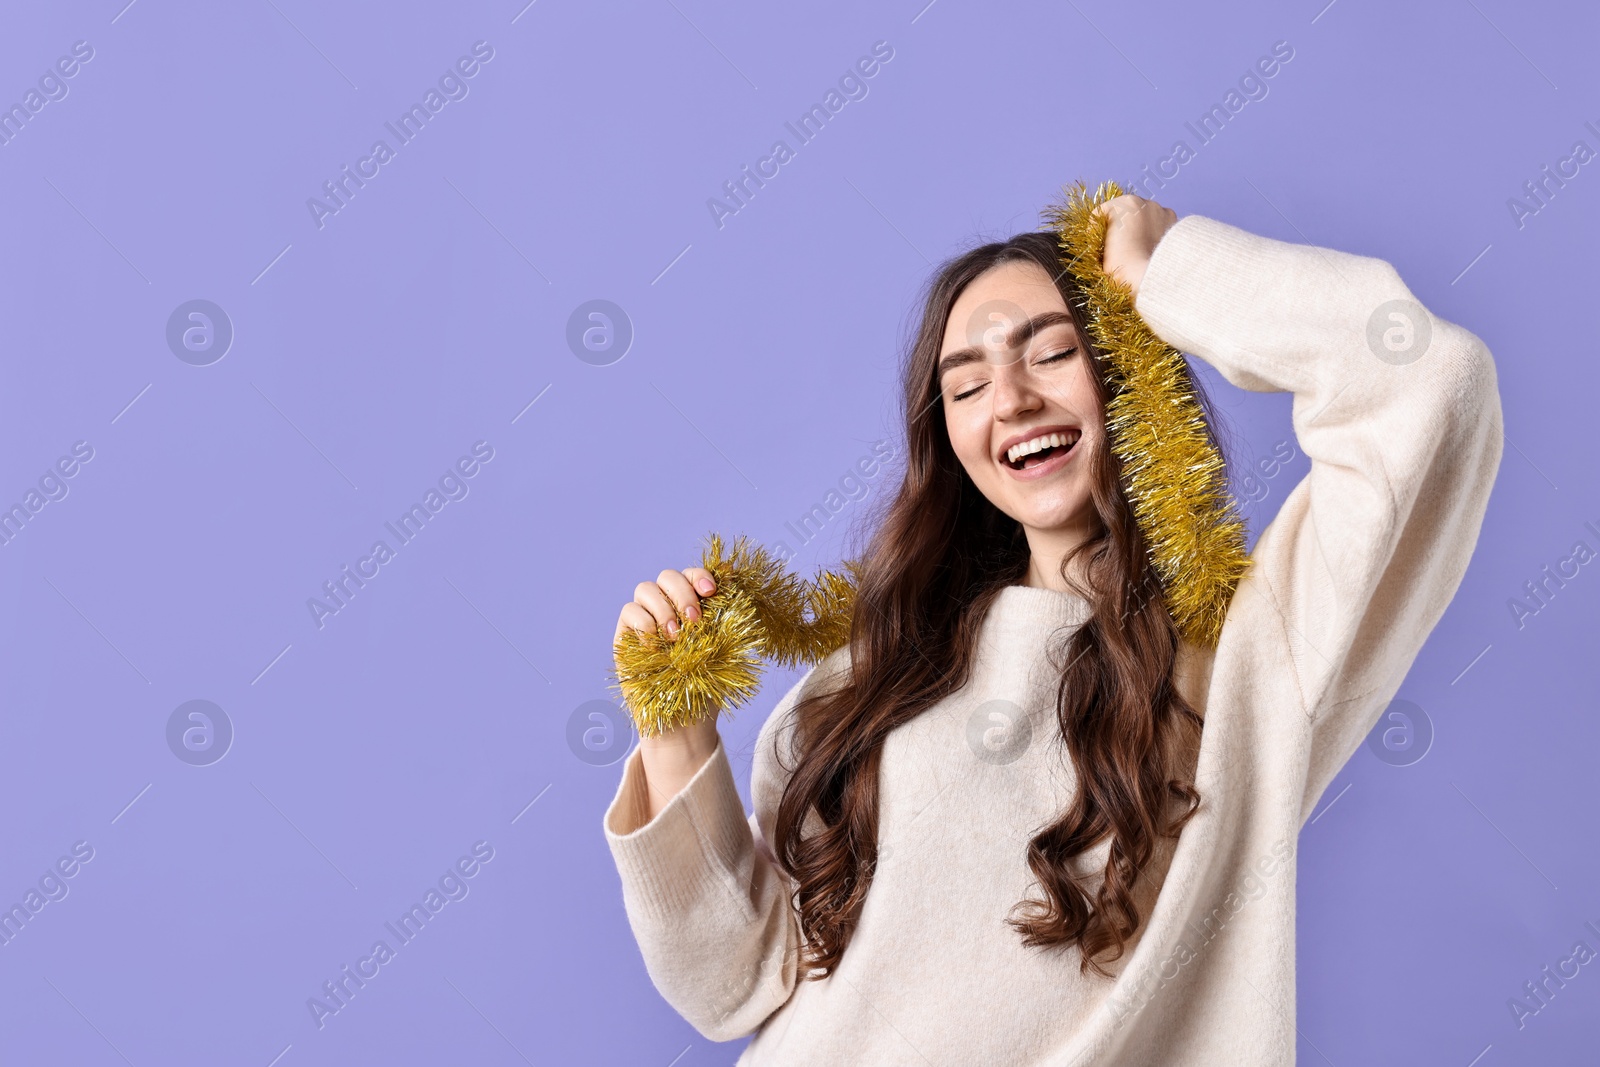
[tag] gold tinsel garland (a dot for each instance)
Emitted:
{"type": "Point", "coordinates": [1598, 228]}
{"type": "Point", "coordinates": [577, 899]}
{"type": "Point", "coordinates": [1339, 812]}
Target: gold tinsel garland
{"type": "Point", "coordinates": [758, 611]}
{"type": "Point", "coordinates": [1172, 475]}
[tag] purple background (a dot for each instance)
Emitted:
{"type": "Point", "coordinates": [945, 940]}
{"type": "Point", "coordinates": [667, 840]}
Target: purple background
{"type": "Point", "coordinates": [429, 312]}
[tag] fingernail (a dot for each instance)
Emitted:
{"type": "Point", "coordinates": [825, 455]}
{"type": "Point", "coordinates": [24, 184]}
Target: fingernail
{"type": "Point", "coordinates": [672, 626]}
{"type": "Point", "coordinates": [704, 585]}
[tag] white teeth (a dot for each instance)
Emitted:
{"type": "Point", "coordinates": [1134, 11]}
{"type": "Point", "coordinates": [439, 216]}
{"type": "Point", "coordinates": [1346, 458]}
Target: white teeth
{"type": "Point", "coordinates": [1038, 444]}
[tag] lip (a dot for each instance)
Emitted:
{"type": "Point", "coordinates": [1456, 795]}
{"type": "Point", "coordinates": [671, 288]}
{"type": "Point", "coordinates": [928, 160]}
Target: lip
{"type": "Point", "coordinates": [1028, 435]}
{"type": "Point", "coordinates": [1045, 469]}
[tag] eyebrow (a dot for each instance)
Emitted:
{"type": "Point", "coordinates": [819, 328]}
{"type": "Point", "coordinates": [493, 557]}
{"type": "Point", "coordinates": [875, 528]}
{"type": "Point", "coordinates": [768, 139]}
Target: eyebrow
{"type": "Point", "coordinates": [1019, 335]}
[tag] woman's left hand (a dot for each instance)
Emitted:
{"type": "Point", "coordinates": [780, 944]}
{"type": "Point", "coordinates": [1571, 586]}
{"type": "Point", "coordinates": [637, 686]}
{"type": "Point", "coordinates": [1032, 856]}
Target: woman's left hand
{"type": "Point", "coordinates": [1136, 226]}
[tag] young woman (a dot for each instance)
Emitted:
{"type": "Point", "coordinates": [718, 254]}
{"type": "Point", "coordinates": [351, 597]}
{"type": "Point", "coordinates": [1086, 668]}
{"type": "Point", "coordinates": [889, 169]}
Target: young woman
{"type": "Point", "coordinates": [1018, 819]}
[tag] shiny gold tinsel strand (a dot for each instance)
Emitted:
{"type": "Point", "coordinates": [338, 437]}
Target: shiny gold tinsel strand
{"type": "Point", "coordinates": [759, 611]}
{"type": "Point", "coordinates": [1173, 476]}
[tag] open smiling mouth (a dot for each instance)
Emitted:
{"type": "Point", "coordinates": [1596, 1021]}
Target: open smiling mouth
{"type": "Point", "coordinates": [1036, 453]}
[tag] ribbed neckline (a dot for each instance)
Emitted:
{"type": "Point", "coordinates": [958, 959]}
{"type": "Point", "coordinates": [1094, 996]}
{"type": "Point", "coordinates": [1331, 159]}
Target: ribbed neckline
{"type": "Point", "coordinates": [1031, 607]}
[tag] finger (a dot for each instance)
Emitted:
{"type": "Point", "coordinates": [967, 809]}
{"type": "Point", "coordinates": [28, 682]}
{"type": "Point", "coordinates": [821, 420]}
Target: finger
{"type": "Point", "coordinates": [705, 583]}
{"type": "Point", "coordinates": [649, 596]}
{"type": "Point", "coordinates": [677, 587]}
{"type": "Point", "coordinates": [634, 617]}
{"type": "Point", "coordinates": [1122, 205]}
{"type": "Point", "coordinates": [1151, 206]}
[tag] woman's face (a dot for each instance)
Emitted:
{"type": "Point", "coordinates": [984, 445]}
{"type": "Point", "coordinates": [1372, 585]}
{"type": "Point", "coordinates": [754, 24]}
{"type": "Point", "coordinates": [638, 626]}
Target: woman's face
{"type": "Point", "coordinates": [1013, 371]}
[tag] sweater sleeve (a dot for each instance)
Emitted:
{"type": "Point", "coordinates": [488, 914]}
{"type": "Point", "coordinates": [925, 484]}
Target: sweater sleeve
{"type": "Point", "coordinates": [1399, 412]}
{"type": "Point", "coordinates": [708, 905]}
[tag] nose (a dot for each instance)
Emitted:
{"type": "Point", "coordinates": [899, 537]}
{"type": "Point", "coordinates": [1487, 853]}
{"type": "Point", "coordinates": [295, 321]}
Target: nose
{"type": "Point", "coordinates": [1015, 391]}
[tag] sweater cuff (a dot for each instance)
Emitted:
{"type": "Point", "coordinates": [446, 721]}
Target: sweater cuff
{"type": "Point", "coordinates": [687, 853]}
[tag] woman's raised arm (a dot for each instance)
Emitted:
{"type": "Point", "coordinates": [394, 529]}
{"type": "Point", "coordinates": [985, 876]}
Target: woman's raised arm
{"type": "Point", "coordinates": [1399, 412]}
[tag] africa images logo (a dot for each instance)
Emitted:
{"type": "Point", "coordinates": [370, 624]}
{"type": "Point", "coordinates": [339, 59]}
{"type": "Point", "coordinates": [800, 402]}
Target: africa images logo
{"type": "Point", "coordinates": [453, 485]}
{"type": "Point", "coordinates": [453, 885]}
{"type": "Point", "coordinates": [452, 86]}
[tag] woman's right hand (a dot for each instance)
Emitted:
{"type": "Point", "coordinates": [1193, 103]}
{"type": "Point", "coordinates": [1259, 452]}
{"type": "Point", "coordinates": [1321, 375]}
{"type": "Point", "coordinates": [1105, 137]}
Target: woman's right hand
{"type": "Point", "coordinates": [673, 756]}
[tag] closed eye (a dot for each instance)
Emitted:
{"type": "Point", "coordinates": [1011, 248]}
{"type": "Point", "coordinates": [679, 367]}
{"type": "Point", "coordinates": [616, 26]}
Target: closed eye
{"type": "Point", "coordinates": [1052, 358]}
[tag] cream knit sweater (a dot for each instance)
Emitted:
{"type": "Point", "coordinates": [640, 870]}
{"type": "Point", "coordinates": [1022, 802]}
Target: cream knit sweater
{"type": "Point", "coordinates": [1402, 424]}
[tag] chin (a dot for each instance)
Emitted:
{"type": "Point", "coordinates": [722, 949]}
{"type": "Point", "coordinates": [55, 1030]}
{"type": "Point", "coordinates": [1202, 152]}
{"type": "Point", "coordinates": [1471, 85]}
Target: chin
{"type": "Point", "coordinates": [1049, 524]}
{"type": "Point", "coordinates": [1062, 515]}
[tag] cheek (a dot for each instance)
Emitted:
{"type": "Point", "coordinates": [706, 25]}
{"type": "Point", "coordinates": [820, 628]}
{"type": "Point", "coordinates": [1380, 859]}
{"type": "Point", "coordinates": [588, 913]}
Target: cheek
{"type": "Point", "coordinates": [1086, 398]}
{"type": "Point", "coordinates": [1083, 381]}
{"type": "Point", "coordinates": [969, 433]}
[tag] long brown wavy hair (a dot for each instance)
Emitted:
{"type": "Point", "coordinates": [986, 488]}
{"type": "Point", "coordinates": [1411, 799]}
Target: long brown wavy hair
{"type": "Point", "coordinates": [937, 558]}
